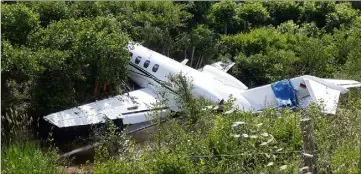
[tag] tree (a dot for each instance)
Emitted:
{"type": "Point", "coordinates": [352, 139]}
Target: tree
{"type": "Point", "coordinates": [18, 21]}
{"type": "Point", "coordinates": [281, 12]}
{"type": "Point", "coordinates": [221, 11]}
{"type": "Point", "coordinates": [253, 14]}
{"type": "Point", "coordinates": [343, 41]}
{"type": "Point", "coordinates": [199, 10]}
{"type": "Point", "coordinates": [203, 41]}
{"type": "Point", "coordinates": [260, 69]}
{"type": "Point", "coordinates": [288, 27]}
{"type": "Point", "coordinates": [315, 58]}
{"type": "Point", "coordinates": [344, 14]}
{"type": "Point", "coordinates": [53, 87]}
{"type": "Point", "coordinates": [51, 11]}
{"type": "Point", "coordinates": [113, 8]}
{"type": "Point", "coordinates": [316, 12]}
{"type": "Point", "coordinates": [18, 68]}
{"type": "Point", "coordinates": [353, 63]}
{"type": "Point", "coordinates": [85, 9]}
{"type": "Point", "coordinates": [254, 42]}
{"type": "Point", "coordinates": [146, 22]}
{"type": "Point", "coordinates": [97, 56]}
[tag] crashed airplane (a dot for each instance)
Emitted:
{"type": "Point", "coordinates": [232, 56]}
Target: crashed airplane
{"type": "Point", "coordinates": [150, 70]}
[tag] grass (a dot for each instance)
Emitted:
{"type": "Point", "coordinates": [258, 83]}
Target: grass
{"type": "Point", "coordinates": [25, 156]}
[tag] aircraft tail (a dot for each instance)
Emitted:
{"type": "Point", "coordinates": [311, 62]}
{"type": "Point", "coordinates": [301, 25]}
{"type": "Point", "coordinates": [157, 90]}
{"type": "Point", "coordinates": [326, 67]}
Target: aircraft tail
{"type": "Point", "coordinates": [324, 92]}
{"type": "Point", "coordinates": [306, 89]}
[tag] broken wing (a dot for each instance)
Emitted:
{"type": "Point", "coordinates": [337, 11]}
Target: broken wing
{"type": "Point", "coordinates": [133, 107]}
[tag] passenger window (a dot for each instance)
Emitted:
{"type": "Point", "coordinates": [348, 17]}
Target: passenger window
{"type": "Point", "coordinates": [146, 64]}
{"type": "Point", "coordinates": [155, 68]}
{"type": "Point", "coordinates": [137, 60]}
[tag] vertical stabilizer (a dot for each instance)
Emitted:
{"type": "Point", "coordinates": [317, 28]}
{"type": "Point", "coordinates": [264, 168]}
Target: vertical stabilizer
{"type": "Point", "coordinates": [323, 95]}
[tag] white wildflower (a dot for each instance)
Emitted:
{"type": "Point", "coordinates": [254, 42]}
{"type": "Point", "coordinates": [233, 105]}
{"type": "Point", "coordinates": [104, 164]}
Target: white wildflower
{"type": "Point", "coordinates": [245, 135]}
{"type": "Point", "coordinates": [284, 167]}
{"type": "Point", "coordinates": [304, 169]}
{"type": "Point", "coordinates": [230, 111]}
{"type": "Point", "coordinates": [207, 107]}
{"type": "Point", "coordinates": [236, 135]}
{"type": "Point", "coordinates": [264, 143]}
{"type": "Point", "coordinates": [237, 123]}
{"type": "Point", "coordinates": [270, 164]}
{"type": "Point", "coordinates": [265, 134]}
{"type": "Point", "coordinates": [253, 136]}
{"type": "Point", "coordinates": [307, 155]}
{"type": "Point", "coordinates": [270, 140]}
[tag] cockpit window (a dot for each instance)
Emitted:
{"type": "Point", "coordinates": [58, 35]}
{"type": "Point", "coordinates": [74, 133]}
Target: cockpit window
{"type": "Point", "coordinates": [155, 68]}
{"type": "Point", "coordinates": [146, 64]}
{"type": "Point", "coordinates": [137, 60]}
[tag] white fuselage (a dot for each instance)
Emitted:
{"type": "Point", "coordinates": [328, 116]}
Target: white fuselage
{"type": "Point", "coordinates": [149, 68]}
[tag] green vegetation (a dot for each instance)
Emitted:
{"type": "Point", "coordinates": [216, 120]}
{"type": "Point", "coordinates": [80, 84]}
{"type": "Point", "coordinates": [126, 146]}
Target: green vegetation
{"type": "Point", "coordinates": [56, 55]}
{"type": "Point", "coordinates": [25, 156]}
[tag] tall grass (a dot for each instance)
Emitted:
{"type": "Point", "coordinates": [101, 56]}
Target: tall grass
{"type": "Point", "coordinates": [20, 151]}
{"type": "Point", "coordinates": [338, 137]}
{"type": "Point", "coordinates": [25, 156]}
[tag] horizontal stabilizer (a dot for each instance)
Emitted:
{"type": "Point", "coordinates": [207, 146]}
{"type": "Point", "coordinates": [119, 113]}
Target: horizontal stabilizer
{"type": "Point", "coordinates": [345, 83]}
{"type": "Point", "coordinates": [326, 83]}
